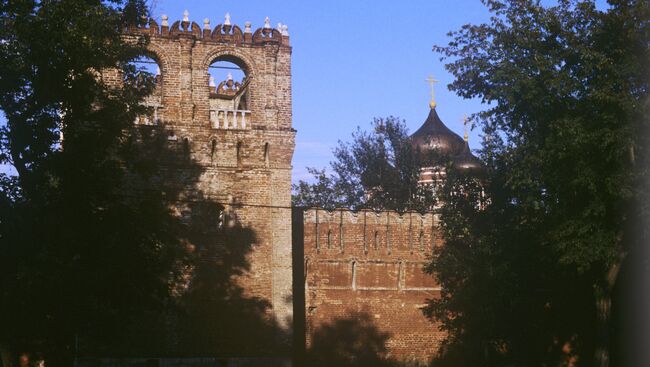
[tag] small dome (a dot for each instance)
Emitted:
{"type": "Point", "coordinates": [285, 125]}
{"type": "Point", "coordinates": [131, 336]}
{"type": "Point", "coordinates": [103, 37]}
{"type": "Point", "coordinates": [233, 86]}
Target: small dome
{"type": "Point", "coordinates": [467, 161]}
{"type": "Point", "coordinates": [434, 135]}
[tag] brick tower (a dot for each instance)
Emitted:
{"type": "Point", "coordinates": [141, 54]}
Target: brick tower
{"type": "Point", "coordinates": [238, 135]}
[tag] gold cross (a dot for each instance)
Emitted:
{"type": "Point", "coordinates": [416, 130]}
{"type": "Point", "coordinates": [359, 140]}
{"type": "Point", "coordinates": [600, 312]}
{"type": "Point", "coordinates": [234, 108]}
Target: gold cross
{"type": "Point", "coordinates": [431, 82]}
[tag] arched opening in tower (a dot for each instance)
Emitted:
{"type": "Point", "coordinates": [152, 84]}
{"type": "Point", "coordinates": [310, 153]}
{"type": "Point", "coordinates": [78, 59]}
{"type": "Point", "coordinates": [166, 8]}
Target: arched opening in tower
{"type": "Point", "coordinates": [228, 88]}
{"type": "Point", "coordinates": [145, 72]}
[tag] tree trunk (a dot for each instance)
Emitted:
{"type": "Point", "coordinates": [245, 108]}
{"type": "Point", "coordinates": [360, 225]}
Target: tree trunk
{"type": "Point", "coordinates": [603, 298]}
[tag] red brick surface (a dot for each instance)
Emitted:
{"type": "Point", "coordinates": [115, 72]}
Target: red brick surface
{"type": "Point", "coordinates": [371, 263]}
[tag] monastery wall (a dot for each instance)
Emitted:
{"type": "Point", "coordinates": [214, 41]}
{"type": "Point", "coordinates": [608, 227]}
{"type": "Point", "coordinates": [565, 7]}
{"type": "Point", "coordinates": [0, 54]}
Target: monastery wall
{"type": "Point", "coordinates": [369, 264]}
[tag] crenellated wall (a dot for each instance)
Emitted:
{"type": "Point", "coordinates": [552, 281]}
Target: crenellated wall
{"type": "Point", "coordinates": [371, 262]}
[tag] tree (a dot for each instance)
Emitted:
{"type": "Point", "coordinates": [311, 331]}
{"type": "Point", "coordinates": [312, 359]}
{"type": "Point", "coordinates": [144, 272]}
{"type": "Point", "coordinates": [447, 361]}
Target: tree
{"type": "Point", "coordinates": [84, 246]}
{"type": "Point", "coordinates": [377, 170]}
{"type": "Point", "coordinates": [529, 279]}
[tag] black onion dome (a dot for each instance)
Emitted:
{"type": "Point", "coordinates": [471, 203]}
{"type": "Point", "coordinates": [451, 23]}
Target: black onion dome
{"type": "Point", "coordinates": [467, 161]}
{"type": "Point", "coordinates": [434, 135]}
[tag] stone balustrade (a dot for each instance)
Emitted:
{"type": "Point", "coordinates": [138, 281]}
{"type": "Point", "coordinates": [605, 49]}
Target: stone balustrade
{"type": "Point", "coordinates": [230, 119]}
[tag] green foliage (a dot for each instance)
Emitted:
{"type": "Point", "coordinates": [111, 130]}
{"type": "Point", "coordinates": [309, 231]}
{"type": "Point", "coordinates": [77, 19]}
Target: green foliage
{"type": "Point", "coordinates": [86, 245]}
{"type": "Point", "coordinates": [378, 170]}
{"type": "Point", "coordinates": [525, 277]}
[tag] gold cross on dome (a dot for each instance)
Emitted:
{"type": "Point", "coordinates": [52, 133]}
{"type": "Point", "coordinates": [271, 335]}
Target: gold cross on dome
{"type": "Point", "coordinates": [431, 82]}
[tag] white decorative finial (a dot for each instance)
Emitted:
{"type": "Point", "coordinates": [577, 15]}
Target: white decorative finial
{"type": "Point", "coordinates": [227, 20]}
{"type": "Point", "coordinates": [164, 20]}
{"type": "Point", "coordinates": [285, 30]}
{"type": "Point", "coordinates": [186, 16]}
{"type": "Point", "coordinates": [206, 24]}
{"type": "Point", "coordinates": [212, 83]}
{"type": "Point", "coordinates": [157, 70]}
{"type": "Point", "coordinates": [247, 27]}
{"type": "Point", "coordinates": [229, 76]}
{"type": "Point", "coordinates": [267, 23]}
{"type": "Point", "coordinates": [279, 27]}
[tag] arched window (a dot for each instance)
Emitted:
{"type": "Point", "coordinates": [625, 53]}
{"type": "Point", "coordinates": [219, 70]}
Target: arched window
{"type": "Point", "coordinates": [144, 72]}
{"type": "Point", "coordinates": [143, 68]}
{"type": "Point", "coordinates": [228, 87]}
{"type": "Point", "coordinates": [223, 70]}
{"type": "Point", "coordinates": [266, 154]}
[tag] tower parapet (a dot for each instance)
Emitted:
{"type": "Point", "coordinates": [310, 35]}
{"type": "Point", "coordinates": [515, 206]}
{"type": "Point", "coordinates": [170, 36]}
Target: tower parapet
{"type": "Point", "coordinates": [221, 33]}
{"type": "Point", "coordinates": [185, 51]}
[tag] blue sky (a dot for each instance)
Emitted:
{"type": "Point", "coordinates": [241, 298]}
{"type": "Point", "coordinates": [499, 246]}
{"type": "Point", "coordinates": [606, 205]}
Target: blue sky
{"type": "Point", "coordinates": [353, 61]}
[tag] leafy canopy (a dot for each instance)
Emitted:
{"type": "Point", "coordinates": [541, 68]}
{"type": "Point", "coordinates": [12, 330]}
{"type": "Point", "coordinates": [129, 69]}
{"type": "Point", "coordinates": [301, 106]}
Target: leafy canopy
{"type": "Point", "coordinates": [527, 280]}
{"type": "Point", "coordinates": [85, 247]}
{"type": "Point", "coordinates": [376, 170]}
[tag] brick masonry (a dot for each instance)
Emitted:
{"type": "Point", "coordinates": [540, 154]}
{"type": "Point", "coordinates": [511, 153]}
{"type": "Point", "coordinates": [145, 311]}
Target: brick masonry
{"type": "Point", "coordinates": [245, 168]}
{"type": "Point", "coordinates": [371, 263]}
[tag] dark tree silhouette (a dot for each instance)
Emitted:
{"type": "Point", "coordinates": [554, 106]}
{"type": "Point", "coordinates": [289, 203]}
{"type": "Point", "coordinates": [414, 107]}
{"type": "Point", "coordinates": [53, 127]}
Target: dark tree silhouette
{"type": "Point", "coordinates": [530, 279]}
{"type": "Point", "coordinates": [82, 249]}
{"type": "Point", "coordinates": [95, 257]}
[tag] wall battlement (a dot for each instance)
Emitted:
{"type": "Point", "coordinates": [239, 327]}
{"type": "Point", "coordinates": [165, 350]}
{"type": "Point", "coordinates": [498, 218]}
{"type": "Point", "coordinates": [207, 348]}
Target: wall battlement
{"type": "Point", "coordinates": [221, 33]}
{"type": "Point", "coordinates": [370, 234]}
{"type": "Point", "coordinates": [369, 262]}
